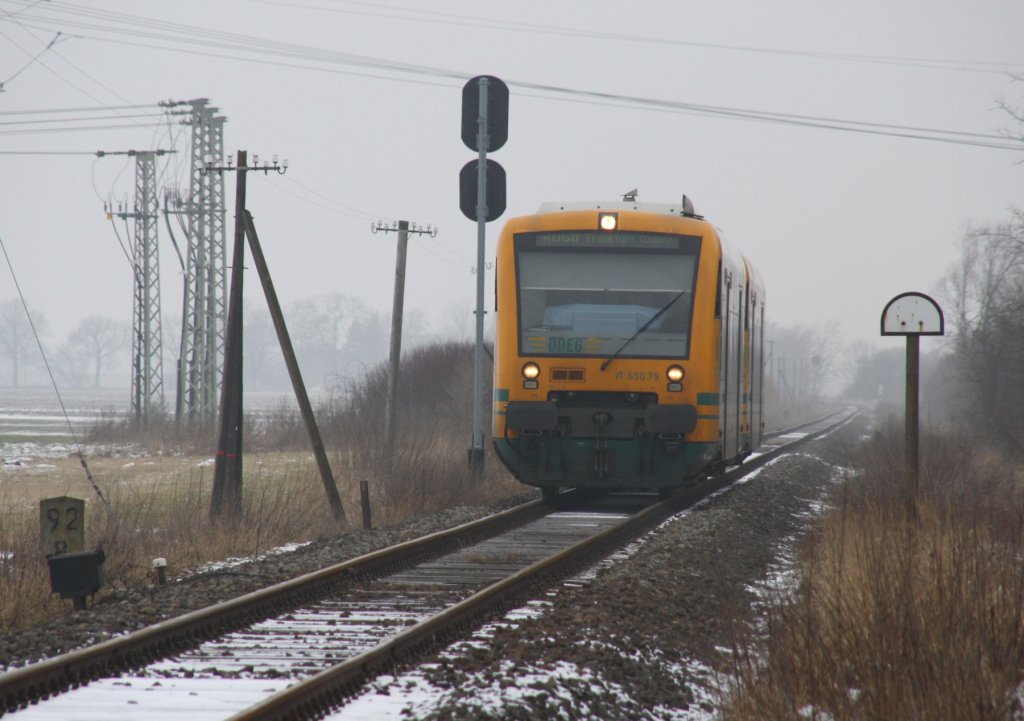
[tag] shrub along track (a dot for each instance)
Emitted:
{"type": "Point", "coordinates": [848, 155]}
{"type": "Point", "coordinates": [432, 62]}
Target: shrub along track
{"type": "Point", "coordinates": [326, 688]}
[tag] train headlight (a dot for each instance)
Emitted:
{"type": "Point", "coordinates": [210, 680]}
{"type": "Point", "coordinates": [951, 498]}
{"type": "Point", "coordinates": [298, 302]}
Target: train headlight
{"type": "Point", "coordinates": [675, 378]}
{"type": "Point", "coordinates": [531, 371]}
{"type": "Point", "coordinates": [608, 221]}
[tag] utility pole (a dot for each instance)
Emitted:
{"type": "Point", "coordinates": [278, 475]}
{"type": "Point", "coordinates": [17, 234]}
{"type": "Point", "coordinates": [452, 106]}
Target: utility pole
{"type": "Point", "coordinates": [227, 479]}
{"type": "Point", "coordinates": [147, 389]}
{"type": "Point", "coordinates": [173, 197]}
{"type": "Point", "coordinates": [227, 475]}
{"type": "Point", "coordinates": [226, 498]}
{"type": "Point", "coordinates": [299, 387]}
{"type": "Point", "coordinates": [204, 319]}
{"type": "Point", "coordinates": [403, 229]}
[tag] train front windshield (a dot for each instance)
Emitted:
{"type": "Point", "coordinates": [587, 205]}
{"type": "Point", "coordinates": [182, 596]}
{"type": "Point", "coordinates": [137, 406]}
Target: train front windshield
{"type": "Point", "coordinates": [598, 293]}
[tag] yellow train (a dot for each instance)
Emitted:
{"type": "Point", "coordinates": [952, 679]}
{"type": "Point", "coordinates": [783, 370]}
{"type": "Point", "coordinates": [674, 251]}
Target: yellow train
{"type": "Point", "coordinates": [629, 347]}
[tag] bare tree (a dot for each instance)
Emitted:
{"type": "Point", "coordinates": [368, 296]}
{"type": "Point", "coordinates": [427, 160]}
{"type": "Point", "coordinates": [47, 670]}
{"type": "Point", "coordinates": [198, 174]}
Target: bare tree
{"type": "Point", "coordinates": [264, 362]}
{"type": "Point", "coordinates": [367, 340]}
{"type": "Point", "coordinates": [17, 344]}
{"type": "Point", "coordinates": [800, 360]}
{"type": "Point", "coordinates": [319, 327]}
{"type": "Point", "coordinates": [985, 289]}
{"type": "Point", "coordinates": [322, 329]}
{"type": "Point", "coordinates": [95, 342]}
{"type": "Point", "coordinates": [1016, 113]}
{"type": "Point", "coordinates": [876, 374]}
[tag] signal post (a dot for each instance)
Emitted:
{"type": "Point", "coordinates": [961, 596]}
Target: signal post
{"type": "Point", "coordinates": [482, 198]}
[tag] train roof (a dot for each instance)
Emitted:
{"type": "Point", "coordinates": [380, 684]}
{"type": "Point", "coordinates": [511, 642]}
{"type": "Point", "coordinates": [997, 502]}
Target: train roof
{"type": "Point", "coordinates": [684, 208]}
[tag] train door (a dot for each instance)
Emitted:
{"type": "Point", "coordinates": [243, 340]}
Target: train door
{"type": "Point", "coordinates": [739, 338]}
{"type": "Point", "coordinates": [757, 372]}
{"type": "Point", "coordinates": [725, 288]}
{"type": "Point", "coordinates": [754, 372]}
{"type": "Point", "coordinates": [749, 372]}
{"type": "Point", "coordinates": [730, 365]}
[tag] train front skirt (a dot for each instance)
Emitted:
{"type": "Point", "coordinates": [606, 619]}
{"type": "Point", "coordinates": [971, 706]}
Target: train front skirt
{"type": "Point", "coordinates": [620, 445]}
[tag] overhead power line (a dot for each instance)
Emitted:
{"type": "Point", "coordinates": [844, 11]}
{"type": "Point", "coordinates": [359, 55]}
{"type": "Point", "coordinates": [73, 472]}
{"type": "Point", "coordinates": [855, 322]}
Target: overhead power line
{"type": "Point", "coordinates": [955, 137]}
{"type": "Point", "coordinates": [392, 12]}
{"type": "Point", "coordinates": [188, 39]}
{"type": "Point", "coordinates": [49, 372]}
{"type": "Point", "coordinates": [91, 119]}
{"type": "Point", "coordinates": [41, 131]}
{"type": "Point", "coordinates": [91, 109]}
{"type": "Point", "coordinates": [76, 16]}
{"type": "Point", "coordinates": [31, 62]}
{"type": "Point", "coordinates": [47, 152]}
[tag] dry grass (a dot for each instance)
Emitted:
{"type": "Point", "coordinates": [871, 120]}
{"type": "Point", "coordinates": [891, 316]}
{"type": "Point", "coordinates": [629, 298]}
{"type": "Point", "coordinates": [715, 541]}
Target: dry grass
{"type": "Point", "coordinates": [158, 502]}
{"type": "Point", "coordinates": [898, 618]}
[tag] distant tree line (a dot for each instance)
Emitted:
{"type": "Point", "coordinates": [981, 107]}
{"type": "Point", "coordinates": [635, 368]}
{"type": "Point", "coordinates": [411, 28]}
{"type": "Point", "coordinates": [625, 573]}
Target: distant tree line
{"type": "Point", "coordinates": [977, 382]}
{"type": "Point", "coordinates": [337, 338]}
{"type": "Point", "coordinates": [984, 302]}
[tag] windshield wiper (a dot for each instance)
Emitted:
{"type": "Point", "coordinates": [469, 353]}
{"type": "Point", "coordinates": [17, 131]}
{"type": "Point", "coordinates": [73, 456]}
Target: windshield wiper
{"type": "Point", "coordinates": [644, 327]}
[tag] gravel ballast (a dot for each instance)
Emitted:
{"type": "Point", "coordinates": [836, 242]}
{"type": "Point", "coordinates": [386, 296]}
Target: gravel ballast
{"type": "Point", "coordinates": [649, 637]}
{"type": "Point", "coordinates": [642, 638]}
{"type": "Point", "coordinates": [124, 611]}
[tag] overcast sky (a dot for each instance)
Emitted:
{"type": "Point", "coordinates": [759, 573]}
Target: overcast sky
{"type": "Point", "coordinates": [838, 222]}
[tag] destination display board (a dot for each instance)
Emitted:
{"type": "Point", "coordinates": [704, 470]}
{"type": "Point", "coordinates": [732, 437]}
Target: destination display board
{"type": "Point", "coordinates": [601, 239]}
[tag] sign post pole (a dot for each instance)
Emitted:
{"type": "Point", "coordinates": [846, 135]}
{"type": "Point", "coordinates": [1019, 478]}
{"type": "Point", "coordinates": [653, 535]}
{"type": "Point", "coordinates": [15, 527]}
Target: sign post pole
{"type": "Point", "coordinates": [912, 315]}
{"type": "Point", "coordinates": [476, 453]}
{"type": "Point", "coordinates": [912, 458]}
{"type": "Point", "coordinates": [482, 198]}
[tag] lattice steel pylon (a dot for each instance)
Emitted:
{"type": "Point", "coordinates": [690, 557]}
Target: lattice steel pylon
{"type": "Point", "coordinates": [206, 287]}
{"type": "Point", "coordinates": [147, 393]}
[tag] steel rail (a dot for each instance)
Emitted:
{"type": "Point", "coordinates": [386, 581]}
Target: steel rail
{"type": "Point", "coordinates": [30, 684]}
{"type": "Point", "coordinates": [806, 424]}
{"type": "Point", "coordinates": [319, 694]}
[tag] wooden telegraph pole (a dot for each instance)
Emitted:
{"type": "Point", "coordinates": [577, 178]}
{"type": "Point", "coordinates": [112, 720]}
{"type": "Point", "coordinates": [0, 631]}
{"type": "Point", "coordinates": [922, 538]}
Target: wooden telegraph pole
{"type": "Point", "coordinates": [226, 498]}
{"type": "Point", "coordinates": [403, 228]}
{"type": "Point", "coordinates": [227, 475]}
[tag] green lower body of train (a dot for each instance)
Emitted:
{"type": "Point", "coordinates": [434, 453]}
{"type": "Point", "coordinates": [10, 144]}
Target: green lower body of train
{"type": "Point", "coordinates": [604, 440]}
{"type": "Point", "coordinates": [553, 461]}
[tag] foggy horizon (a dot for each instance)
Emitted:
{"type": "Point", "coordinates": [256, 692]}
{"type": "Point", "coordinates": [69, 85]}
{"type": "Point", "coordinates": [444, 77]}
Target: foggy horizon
{"type": "Point", "coordinates": [797, 129]}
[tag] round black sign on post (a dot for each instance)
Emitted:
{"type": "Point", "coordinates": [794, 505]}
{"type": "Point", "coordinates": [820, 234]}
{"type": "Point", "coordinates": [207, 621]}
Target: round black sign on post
{"type": "Point", "coordinates": [469, 191]}
{"type": "Point", "coordinates": [497, 112]}
{"type": "Point", "coordinates": [912, 315]}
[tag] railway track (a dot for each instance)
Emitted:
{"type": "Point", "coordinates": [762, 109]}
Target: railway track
{"type": "Point", "coordinates": [298, 649]}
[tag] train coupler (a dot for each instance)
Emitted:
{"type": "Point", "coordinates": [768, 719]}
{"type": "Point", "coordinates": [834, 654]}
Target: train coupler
{"type": "Point", "coordinates": [671, 446]}
{"type": "Point", "coordinates": [601, 462]}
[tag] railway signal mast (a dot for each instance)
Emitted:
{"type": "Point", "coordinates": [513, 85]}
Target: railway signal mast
{"type": "Point", "coordinates": [482, 198]}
